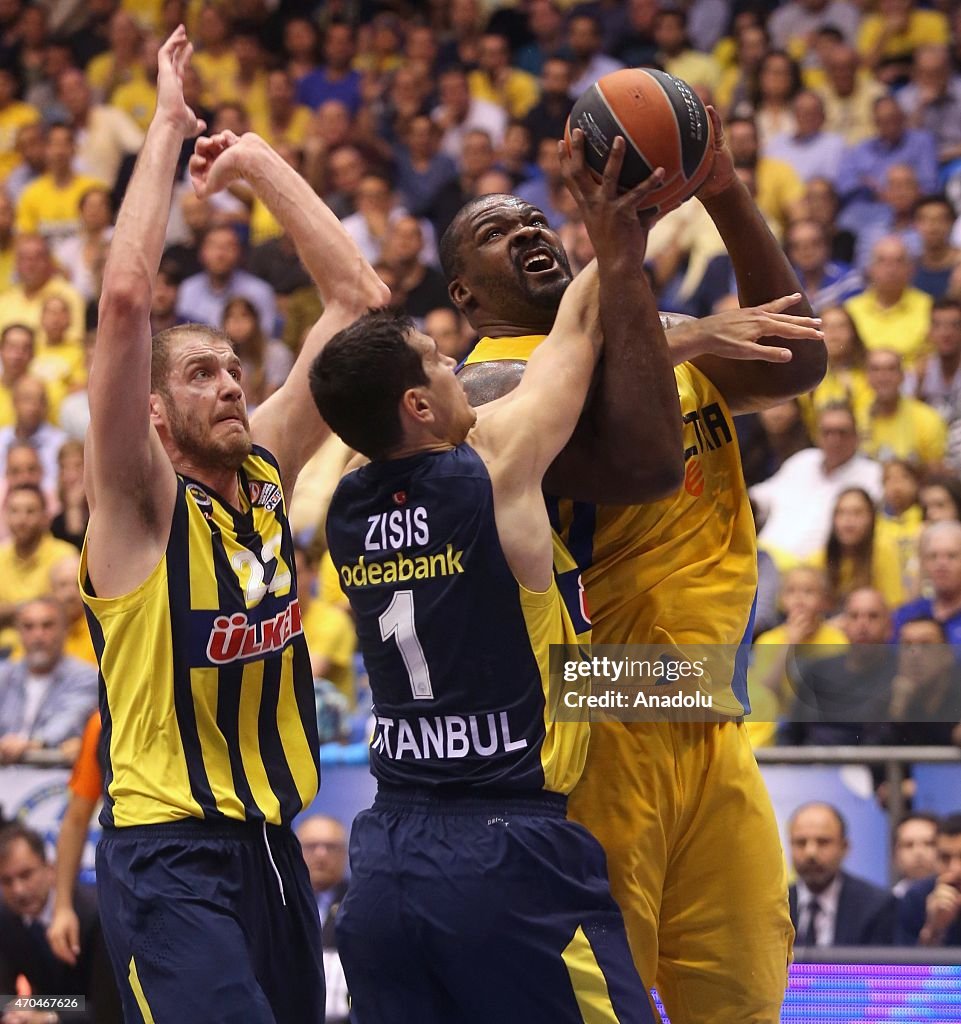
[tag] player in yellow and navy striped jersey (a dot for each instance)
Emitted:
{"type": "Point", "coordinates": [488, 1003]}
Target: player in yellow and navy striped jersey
{"type": "Point", "coordinates": [206, 695]}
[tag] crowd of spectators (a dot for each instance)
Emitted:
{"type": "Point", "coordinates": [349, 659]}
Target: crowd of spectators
{"type": "Point", "coordinates": [831, 907]}
{"type": "Point", "coordinates": [844, 119]}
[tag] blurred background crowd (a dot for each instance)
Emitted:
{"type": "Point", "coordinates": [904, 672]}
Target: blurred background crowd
{"type": "Point", "coordinates": [844, 120]}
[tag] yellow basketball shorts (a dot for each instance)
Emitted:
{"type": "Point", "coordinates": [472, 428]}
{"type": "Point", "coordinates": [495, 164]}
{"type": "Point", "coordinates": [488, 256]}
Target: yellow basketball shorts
{"type": "Point", "coordinates": [696, 864]}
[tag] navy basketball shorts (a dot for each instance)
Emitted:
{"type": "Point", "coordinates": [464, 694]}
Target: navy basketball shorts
{"type": "Point", "coordinates": [466, 910]}
{"type": "Point", "coordinates": [211, 923]}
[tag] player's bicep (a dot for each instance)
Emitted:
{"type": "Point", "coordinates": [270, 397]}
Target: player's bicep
{"type": "Point", "coordinates": [550, 398]}
{"type": "Point", "coordinates": [127, 461]}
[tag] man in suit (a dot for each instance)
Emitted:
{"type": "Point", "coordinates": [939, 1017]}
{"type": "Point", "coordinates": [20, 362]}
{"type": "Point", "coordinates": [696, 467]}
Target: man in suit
{"type": "Point", "coordinates": [324, 842]}
{"type": "Point", "coordinates": [930, 913]}
{"type": "Point", "coordinates": [830, 907]}
{"type": "Point", "coordinates": [26, 887]}
{"type": "Point", "coordinates": [45, 696]}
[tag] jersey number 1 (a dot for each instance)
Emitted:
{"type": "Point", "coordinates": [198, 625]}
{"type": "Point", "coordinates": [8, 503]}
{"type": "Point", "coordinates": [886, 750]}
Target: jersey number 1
{"type": "Point", "coordinates": [398, 622]}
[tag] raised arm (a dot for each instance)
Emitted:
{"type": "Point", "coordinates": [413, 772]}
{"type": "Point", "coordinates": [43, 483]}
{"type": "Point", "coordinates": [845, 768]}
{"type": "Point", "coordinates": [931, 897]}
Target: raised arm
{"type": "Point", "coordinates": [627, 447]}
{"type": "Point", "coordinates": [288, 423]}
{"type": "Point", "coordinates": [763, 275]}
{"type": "Point", "coordinates": [130, 482]}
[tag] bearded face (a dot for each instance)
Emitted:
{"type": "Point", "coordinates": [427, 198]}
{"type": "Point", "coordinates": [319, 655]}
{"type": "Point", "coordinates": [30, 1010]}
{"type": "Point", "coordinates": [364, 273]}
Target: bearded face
{"type": "Point", "coordinates": [221, 443]}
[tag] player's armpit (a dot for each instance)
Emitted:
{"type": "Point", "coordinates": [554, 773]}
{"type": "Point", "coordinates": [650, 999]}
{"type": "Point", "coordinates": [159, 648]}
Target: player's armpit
{"type": "Point", "coordinates": [486, 382]}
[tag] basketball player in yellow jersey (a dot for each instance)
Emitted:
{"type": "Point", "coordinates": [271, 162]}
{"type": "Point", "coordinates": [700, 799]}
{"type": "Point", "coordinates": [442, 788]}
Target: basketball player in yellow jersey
{"type": "Point", "coordinates": [209, 730]}
{"type": "Point", "coordinates": [692, 844]}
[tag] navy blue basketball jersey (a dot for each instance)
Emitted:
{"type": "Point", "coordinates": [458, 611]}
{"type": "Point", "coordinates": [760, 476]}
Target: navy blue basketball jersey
{"type": "Point", "coordinates": [455, 647]}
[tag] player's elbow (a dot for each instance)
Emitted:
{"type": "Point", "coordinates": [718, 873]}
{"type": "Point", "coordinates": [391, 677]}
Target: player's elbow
{"type": "Point", "coordinates": [810, 367]}
{"type": "Point", "coordinates": [356, 293]}
{"type": "Point", "coordinates": [124, 296]}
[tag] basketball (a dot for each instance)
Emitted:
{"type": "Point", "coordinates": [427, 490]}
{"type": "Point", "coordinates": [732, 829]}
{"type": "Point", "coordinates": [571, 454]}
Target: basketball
{"type": "Point", "coordinates": [663, 122]}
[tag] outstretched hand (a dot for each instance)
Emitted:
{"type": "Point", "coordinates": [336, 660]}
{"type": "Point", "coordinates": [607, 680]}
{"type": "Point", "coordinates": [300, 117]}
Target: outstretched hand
{"type": "Point", "coordinates": [736, 333]}
{"type": "Point", "coordinates": [172, 60]}
{"type": "Point", "coordinates": [722, 174]}
{"type": "Point", "coordinates": [216, 163]}
{"type": "Point", "coordinates": [605, 210]}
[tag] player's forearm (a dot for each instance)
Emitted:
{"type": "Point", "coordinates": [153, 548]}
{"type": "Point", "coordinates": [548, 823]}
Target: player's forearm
{"type": "Point", "coordinates": [763, 274]}
{"type": "Point", "coordinates": [329, 254]}
{"type": "Point", "coordinates": [70, 844]}
{"type": "Point", "coordinates": [138, 239]}
{"type": "Point", "coordinates": [626, 447]}
{"type": "Point", "coordinates": [686, 341]}
{"type": "Point", "coordinates": [636, 373]}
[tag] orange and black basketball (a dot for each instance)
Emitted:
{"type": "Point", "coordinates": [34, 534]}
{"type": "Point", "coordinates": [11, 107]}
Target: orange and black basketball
{"type": "Point", "coordinates": [663, 122]}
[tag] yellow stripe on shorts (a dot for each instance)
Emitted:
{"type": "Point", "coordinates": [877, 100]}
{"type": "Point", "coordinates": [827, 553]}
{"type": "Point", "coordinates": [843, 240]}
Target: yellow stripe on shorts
{"type": "Point", "coordinates": [587, 978]}
{"type": "Point", "coordinates": [134, 980]}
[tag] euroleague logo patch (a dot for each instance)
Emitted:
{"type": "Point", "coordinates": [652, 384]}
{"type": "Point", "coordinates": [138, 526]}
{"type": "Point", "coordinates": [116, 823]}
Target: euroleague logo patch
{"type": "Point", "coordinates": [264, 494]}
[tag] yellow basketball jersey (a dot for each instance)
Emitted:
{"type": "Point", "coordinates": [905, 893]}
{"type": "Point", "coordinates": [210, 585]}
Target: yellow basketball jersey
{"type": "Point", "coordinates": [206, 691]}
{"type": "Point", "coordinates": [679, 571]}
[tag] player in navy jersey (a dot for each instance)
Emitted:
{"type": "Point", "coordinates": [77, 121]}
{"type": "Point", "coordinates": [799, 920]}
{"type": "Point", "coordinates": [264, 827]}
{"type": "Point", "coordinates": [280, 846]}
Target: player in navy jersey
{"type": "Point", "coordinates": [472, 898]}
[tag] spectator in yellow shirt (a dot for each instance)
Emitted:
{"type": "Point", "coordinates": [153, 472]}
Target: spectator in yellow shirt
{"type": "Point", "coordinates": [32, 156]}
{"type": "Point", "coordinates": [888, 38]}
{"type": "Point", "coordinates": [891, 314]}
{"type": "Point", "coordinates": [7, 247]}
{"type": "Point", "coordinates": [283, 120]}
{"type": "Point", "coordinates": [898, 526]}
{"type": "Point", "coordinates": [330, 633]}
{"type": "Point", "coordinates": [23, 303]}
{"type": "Point", "coordinates": [854, 556]}
{"type": "Point", "coordinates": [849, 93]}
{"type": "Point", "coordinates": [50, 206]}
{"type": "Point", "coordinates": [805, 598]}
{"type": "Point", "coordinates": [25, 559]}
{"type": "Point", "coordinates": [17, 346]}
{"type": "Point", "coordinates": [898, 426]}
{"type": "Point", "coordinates": [676, 54]}
{"type": "Point", "coordinates": [248, 85]}
{"type": "Point", "coordinates": [215, 59]}
{"type": "Point", "coordinates": [497, 82]}
{"type": "Point", "coordinates": [59, 361]}
{"type": "Point", "coordinates": [104, 134]}
{"type": "Point", "coordinates": [66, 590]}
{"type": "Point", "coordinates": [123, 62]}
{"type": "Point", "coordinates": [845, 379]}
{"type": "Point", "coordinates": [138, 97]}
{"type": "Point", "coordinates": [779, 189]}
{"type": "Point", "coordinates": [13, 115]}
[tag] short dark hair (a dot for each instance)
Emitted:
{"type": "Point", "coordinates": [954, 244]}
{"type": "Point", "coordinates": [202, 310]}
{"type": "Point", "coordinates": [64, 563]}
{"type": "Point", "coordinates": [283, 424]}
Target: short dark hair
{"type": "Point", "coordinates": [950, 825]}
{"type": "Point", "coordinates": [838, 405]}
{"type": "Point", "coordinates": [921, 617]}
{"type": "Point", "coordinates": [927, 816]}
{"type": "Point", "coordinates": [451, 243]}
{"type": "Point", "coordinates": [933, 199]}
{"type": "Point", "coordinates": [9, 834]}
{"type": "Point", "coordinates": [31, 488]}
{"type": "Point", "coordinates": [18, 327]}
{"type": "Point", "coordinates": [360, 376]}
{"type": "Point", "coordinates": [945, 302]}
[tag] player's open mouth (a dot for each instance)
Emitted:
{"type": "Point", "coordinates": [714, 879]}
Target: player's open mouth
{"type": "Point", "coordinates": [538, 261]}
